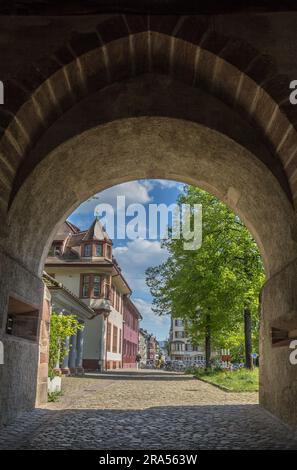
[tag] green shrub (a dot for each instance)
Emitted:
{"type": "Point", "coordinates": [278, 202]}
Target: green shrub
{"type": "Point", "coordinates": [61, 327]}
{"type": "Point", "coordinates": [54, 396]}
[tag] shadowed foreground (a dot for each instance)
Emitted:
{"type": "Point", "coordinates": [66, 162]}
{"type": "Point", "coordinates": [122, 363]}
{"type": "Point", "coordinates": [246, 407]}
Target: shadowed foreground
{"type": "Point", "coordinates": [147, 410]}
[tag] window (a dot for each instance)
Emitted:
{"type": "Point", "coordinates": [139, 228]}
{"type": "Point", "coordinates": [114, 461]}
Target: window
{"type": "Point", "coordinates": [88, 251]}
{"type": "Point", "coordinates": [115, 339]}
{"type": "Point", "coordinates": [108, 251]}
{"type": "Point", "coordinates": [98, 249]}
{"type": "Point", "coordinates": [108, 337]}
{"type": "Point", "coordinates": [177, 347]}
{"type": "Point", "coordinates": [96, 286]}
{"type": "Point", "coordinates": [90, 285]}
{"type": "Point", "coordinates": [120, 342]}
{"type": "Point", "coordinates": [85, 290]}
{"type": "Point", "coordinates": [117, 305]}
{"type": "Point", "coordinates": [108, 293]}
{"type": "Point", "coordinates": [55, 250]}
{"type": "Point", "coordinates": [178, 323]}
{"type": "Point", "coordinates": [179, 334]}
{"type": "Point", "coordinates": [113, 296]}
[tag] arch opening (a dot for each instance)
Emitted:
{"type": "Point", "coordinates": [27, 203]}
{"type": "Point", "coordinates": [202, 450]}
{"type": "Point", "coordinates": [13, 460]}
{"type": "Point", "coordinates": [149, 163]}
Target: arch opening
{"type": "Point", "coordinates": [113, 98]}
{"type": "Point", "coordinates": [174, 149]}
{"type": "Point", "coordinates": [152, 147]}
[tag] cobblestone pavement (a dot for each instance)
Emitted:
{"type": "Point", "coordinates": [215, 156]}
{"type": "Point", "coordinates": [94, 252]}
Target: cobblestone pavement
{"type": "Point", "coordinates": [147, 410]}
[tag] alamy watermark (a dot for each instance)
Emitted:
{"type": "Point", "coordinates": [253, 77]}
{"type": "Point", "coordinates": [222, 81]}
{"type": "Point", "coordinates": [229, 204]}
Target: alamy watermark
{"type": "Point", "coordinates": [293, 354]}
{"type": "Point", "coordinates": [155, 221]}
{"type": "Point", "coordinates": [293, 94]}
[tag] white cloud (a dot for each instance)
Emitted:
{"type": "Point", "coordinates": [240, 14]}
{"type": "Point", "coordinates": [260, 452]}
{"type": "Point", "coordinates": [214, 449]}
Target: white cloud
{"type": "Point", "coordinates": [145, 308]}
{"type": "Point", "coordinates": [168, 184]}
{"type": "Point", "coordinates": [134, 192]}
{"type": "Point", "coordinates": [141, 252]}
{"type": "Point", "coordinates": [135, 257]}
{"type": "Point", "coordinates": [148, 184]}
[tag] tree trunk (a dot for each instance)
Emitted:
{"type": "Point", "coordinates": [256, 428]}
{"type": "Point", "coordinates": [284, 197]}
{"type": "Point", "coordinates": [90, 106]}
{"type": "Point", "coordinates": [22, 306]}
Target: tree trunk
{"type": "Point", "coordinates": [207, 343]}
{"type": "Point", "coordinates": [248, 338]}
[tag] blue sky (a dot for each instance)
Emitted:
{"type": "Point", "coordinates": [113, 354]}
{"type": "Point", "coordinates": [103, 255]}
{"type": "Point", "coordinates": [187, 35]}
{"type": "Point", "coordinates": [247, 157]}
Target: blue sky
{"type": "Point", "coordinates": [134, 256]}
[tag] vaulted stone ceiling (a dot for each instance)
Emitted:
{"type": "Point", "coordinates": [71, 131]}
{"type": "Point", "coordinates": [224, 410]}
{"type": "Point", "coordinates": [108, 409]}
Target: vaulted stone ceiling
{"type": "Point", "coordinates": [195, 50]}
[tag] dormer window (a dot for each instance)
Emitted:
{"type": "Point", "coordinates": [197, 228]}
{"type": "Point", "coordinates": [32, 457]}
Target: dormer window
{"type": "Point", "coordinates": [88, 251]}
{"type": "Point", "coordinates": [108, 251]}
{"type": "Point", "coordinates": [55, 250]}
{"type": "Point", "coordinates": [98, 249]}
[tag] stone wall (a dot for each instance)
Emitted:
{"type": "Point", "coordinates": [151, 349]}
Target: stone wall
{"type": "Point", "coordinates": [42, 374]}
{"type": "Point", "coordinates": [17, 377]}
{"type": "Point", "coordinates": [133, 139]}
{"type": "Point", "coordinates": [278, 377]}
{"type": "Point", "coordinates": [18, 374]}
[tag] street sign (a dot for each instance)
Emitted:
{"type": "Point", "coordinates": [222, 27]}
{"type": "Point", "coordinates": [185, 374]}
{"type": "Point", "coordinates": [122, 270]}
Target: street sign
{"type": "Point", "coordinates": [254, 355]}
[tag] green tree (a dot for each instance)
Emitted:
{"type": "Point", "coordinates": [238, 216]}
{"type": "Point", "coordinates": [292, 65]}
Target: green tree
{"type": "Point", "coordinates": [61, 327]}
{"type": "Point", "coordinates": [215, 287]}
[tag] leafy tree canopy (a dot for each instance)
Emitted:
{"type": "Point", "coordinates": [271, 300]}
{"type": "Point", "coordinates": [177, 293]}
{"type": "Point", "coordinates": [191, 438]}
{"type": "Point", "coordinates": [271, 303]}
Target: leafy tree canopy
{"type": "Point", "coordinates": [215, 282]}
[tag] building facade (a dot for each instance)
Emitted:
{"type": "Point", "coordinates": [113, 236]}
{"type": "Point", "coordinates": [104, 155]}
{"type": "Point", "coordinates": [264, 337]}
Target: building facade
{"type": "Point", "coordinates": [181, 348]}
{"type": "Point", "coordinates": [82, 261]}
{"type": "Point", "coordinates": [142, 347]}
{"type": "Point", "coordinates": [131, 330]}
{"type": "Point", "coordinates": [152, 349]}
{"type": "Point", "coordinates": [64, 302]}
{"type": "Point", "coordinates": [148, 347]}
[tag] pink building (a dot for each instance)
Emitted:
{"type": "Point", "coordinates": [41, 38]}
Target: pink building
{"type": "Point", "coordinates": [130, 333]}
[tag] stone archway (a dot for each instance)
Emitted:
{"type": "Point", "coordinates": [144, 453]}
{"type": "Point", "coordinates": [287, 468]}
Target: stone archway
{"type": "Point", "coordinates": [123, 46]}
{"type": "Point", "coordinates": [174, 149]}
{"type": "Point", "coordinates": [102, 112]}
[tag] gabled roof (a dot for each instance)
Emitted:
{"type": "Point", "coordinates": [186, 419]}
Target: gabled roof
{"type": "Point", "coordinates": [76, 239]}
{"type": "Point", "coordinates": [96, 232]}
{"type": "Point", "coordinates": [54, 286]}
{"type": "Point", "coordinates": [65, 230]}
{"type": "Point", "coordinates": [73, 227]}
{"type": "Point", "coordinates": [70, 255]}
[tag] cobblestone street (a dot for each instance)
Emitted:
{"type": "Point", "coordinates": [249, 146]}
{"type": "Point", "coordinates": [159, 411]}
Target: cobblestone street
{"type": "Point", "coordinates": [147, 410]}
